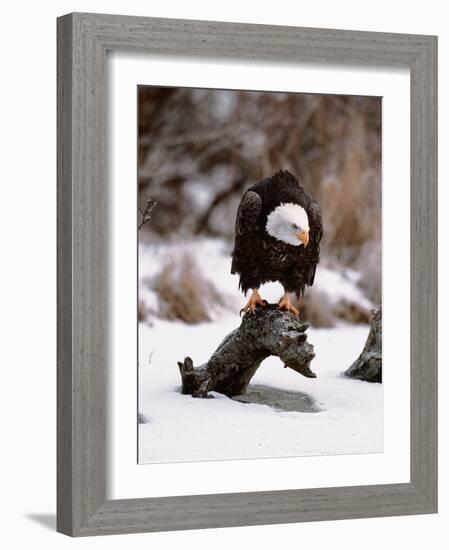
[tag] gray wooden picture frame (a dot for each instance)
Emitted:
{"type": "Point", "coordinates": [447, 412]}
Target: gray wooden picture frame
{"type": "Point", "coordinates": [83, 40]}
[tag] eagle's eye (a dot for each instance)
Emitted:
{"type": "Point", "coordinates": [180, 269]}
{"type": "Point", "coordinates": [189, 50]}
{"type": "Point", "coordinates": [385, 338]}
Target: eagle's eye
{"type": "Point", "coordinates": [295, 226]}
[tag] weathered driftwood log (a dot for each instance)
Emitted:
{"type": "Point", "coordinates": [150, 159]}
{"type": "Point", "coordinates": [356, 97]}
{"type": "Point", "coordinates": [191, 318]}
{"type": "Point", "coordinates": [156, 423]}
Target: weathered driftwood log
{"type": "Point", "coordinates": [268, 331]}
{"type": "Point", "coordinates": [369, 364]}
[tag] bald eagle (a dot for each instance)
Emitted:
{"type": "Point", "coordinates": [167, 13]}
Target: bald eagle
{"type": "Point", "coordinates": [278, 231]}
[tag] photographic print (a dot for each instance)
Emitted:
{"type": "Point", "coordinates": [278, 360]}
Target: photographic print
{"type": "Point", "coordinates": [259, 274]}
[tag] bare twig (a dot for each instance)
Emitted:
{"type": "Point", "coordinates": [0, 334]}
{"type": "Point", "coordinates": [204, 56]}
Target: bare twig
{"type": "Point", "coordinates": [146, 212]}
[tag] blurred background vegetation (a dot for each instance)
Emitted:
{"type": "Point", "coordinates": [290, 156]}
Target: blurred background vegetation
{"type": "Point", "coordinates": [200, 149]}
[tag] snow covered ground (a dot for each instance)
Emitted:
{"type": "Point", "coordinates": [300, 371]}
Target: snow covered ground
{"type": "Point", "coordinates": [181, 428]}
{"type": "Point", "coordinates": [176, 427]}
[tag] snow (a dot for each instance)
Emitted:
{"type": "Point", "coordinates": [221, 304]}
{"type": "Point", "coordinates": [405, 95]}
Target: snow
{"type": "Point", "coordinates": [343, 285]}
{"type": "Point", "coordinates": [181, 428]}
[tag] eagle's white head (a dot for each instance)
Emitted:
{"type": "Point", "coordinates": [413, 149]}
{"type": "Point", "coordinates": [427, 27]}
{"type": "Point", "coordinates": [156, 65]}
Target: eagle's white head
{"type": "Point", "coordinates": [289, 223]}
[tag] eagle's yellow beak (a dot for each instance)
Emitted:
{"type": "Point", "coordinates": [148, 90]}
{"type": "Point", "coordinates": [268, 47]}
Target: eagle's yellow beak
{"type": "Point", "coordinates": [304, 237]}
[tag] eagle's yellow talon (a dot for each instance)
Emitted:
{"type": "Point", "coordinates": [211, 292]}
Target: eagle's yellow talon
{"type": "Point", "coordinates": [286, 305]}
{"type": "Point", "coordinates": [254, 301]}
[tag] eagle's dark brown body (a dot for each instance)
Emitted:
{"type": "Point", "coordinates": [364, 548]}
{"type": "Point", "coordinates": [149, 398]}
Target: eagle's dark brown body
{"type": "Point", "coordinates": [258, 257]}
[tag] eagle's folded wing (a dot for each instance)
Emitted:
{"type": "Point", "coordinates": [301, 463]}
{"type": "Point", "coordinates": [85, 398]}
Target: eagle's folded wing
{"type": "Point", "coordinates": [248, 213]}
{"type": "Point", "coordinates": [315, 222]}
{"type": "Point", "coordinates": [316, 233]}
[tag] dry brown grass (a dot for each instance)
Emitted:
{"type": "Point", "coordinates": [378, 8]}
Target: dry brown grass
{"type": "Point", "coordinates": [317, 309]}
{"type": "Point", "coordinates": [350, 195]}
{"type": "Point", "coordinates": [184, 294]}
{"type": "Point", "coordinates": [369, 263]}
{"type": "Point", "coordinates": [141, 313]}
{"type": "Point", "coordinates": [352, 312]}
